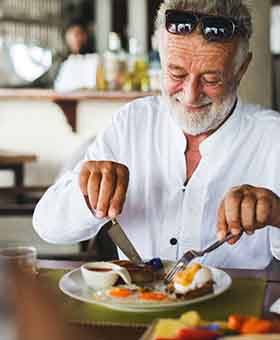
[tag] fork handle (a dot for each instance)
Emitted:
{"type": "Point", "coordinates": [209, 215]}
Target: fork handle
{"type": "Point", "coordinates": [218, 243]}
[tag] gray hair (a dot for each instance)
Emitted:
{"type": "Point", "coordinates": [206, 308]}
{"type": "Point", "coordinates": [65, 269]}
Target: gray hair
{"type": "Point", "coordinates": [236, 9]}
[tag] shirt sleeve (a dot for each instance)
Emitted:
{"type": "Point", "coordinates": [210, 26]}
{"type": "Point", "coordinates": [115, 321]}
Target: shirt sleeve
{"type": "Point", "coordinates": [62, 215]}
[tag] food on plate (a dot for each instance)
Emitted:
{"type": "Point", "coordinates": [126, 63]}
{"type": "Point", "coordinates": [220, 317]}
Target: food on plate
{"type": "Point", "coordinates": [146, 283]}
{"type": "Point", "coordinates": [153, 296]}
{"type": "Point", "coordinates": [191, 326]}
{"type": "Point", "coordinates": [193, 281]}
{"type": "Point", "coordinates": [134, 293]}
{"type": "Point", "coordinates": [121, 292]}
{"type": "Point", "coordinates": [142, 273]}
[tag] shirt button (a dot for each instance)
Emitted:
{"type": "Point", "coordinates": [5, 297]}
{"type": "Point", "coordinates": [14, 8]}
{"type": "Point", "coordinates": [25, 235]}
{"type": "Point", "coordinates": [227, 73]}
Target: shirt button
{"type": "Point", "coordinates": [173, 241]}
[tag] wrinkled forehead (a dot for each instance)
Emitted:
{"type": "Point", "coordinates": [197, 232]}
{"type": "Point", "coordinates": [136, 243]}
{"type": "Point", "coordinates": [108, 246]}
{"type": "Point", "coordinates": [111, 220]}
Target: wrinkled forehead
{"type": "Point", "coordinates": [195, 46]}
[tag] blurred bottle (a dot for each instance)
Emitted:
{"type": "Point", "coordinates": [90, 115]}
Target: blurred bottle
{"type": "Point", "coordinates": [114, 63]}
{"type": "Point", "coordinates": [155, 66]}
{"type": "Point", "coordinates": [101, 82]}
{"type": "Point", "coordinates": [137, 77]}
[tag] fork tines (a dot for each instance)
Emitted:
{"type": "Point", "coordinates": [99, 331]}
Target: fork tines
{"type": "Point", "coordinates": [180, 265]}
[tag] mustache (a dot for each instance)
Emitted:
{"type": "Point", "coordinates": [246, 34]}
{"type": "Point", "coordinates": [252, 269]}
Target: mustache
{"type": "Point", "coordinates": [180, 97]}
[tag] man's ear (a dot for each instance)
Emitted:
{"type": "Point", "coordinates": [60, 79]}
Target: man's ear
{"type": "Point", "coordinates": [244, 68]}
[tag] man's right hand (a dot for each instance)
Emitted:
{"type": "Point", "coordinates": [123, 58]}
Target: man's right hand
{"type": "Point", "coordinates": [104, 185]}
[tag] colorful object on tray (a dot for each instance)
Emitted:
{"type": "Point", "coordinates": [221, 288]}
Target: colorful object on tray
{"type": "Point", "coordinates": [190, 326]}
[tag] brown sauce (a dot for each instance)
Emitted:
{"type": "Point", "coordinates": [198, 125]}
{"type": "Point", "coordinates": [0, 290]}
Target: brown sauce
{"type": "Point", "coordinates": [93, 269]}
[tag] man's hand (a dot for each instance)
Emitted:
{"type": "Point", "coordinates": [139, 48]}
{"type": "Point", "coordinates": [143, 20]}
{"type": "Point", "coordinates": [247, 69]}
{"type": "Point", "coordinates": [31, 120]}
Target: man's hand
{"type": "Point", "coordinates": [104, 185]}
{"type": "Point", "coordinates": [246, 208]}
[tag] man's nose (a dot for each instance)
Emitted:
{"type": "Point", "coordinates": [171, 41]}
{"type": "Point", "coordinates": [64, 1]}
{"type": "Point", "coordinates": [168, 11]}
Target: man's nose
{"type": "Point", "coordinates": [192, 91]}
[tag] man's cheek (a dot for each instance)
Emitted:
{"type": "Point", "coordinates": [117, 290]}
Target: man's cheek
{"type": "Point", "coordinates": [216, 95]}
{"type": "Point", "coordinates": [170, 87]}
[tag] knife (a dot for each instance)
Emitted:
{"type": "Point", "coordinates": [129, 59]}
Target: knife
{"type": "Point", "coordinates": [118, 236]}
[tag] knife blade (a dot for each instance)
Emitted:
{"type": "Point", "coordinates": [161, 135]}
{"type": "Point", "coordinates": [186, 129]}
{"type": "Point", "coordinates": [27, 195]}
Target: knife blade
{"type": "Point", "coordinates": [118, 236]}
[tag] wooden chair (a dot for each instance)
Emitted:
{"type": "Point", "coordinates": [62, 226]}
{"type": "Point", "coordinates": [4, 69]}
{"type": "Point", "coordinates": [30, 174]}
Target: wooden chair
{"type": "Point", "coordinates": [20, 201]}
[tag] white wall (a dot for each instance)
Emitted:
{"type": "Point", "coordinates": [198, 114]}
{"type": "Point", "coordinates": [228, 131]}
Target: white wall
{"type": "Point", "coordinates": [40, 127]}
{"type": "Point", "coordinates": [256, 87]}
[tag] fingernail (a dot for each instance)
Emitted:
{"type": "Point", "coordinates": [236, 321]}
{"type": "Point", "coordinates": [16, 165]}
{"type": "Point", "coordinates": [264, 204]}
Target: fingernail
{"type": "Point", "coordinates": [250, 232]}
{"type": "Point", "coordinates": [235, 231]}
{"type": "Point", "coordinates": [221, 235]}
{"type": "Point", "coordinates": [99, 214]}
{"type": "Point", "coordinates": [113, 213]}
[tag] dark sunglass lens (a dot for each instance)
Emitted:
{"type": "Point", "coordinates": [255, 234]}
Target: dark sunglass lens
{"type": "Point", "coordinates": [215, 29]}
{"type": "Point", "coordinates": [180, 22]}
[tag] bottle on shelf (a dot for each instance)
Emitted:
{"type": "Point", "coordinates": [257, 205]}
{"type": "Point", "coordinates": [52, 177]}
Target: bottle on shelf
{"type": "Point", "coordinates": [101, 82]}
{"type": "Point", "coordinates": [137, 76]}
{"type": "Point", "coordinates": [114, 63]}
{"type": "Point", "coordinates": [155, 66]}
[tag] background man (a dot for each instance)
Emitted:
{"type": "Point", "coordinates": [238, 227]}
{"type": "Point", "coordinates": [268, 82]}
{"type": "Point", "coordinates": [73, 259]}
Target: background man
{"type": "Point", "coordinates": [198, 161]}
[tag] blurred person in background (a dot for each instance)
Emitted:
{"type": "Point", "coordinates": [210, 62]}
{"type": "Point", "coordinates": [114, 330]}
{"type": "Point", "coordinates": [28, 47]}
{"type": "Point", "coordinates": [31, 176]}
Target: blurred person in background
{"type": "Point", "coordinates": [78, 41]}
{"type": "Point", "coordinates": [78, 38]}
{"type": "Point", "coordinates": [78, 70]}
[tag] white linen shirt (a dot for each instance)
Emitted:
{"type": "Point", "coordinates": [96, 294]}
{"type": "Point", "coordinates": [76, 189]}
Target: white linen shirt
{"type": "Point", "coordinates": [158, 207]}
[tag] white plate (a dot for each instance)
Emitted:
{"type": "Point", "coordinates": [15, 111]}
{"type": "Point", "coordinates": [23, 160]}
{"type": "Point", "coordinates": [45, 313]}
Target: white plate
{"type": "Point", "coordinates": [73, 285]}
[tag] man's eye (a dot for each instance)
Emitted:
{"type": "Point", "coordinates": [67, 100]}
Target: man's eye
{"type": "Point", "coordinates": [211, 80]}
{"type": "Point", "coordinates": [177, 76]}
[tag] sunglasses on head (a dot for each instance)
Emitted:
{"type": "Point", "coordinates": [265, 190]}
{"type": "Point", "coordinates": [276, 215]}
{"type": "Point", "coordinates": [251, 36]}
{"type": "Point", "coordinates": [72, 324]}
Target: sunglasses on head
{"type": "Point", "coordinates": [213, 28]}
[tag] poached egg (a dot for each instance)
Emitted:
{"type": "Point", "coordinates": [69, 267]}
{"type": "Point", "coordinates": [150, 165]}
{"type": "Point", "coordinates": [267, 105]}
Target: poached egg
{"type": "Point", "coordinates": [193, 277]}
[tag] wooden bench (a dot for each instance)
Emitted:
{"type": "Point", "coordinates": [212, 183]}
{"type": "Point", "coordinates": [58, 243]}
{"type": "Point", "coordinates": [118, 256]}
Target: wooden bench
{"type": "Point", "coordinates": [18, 199]}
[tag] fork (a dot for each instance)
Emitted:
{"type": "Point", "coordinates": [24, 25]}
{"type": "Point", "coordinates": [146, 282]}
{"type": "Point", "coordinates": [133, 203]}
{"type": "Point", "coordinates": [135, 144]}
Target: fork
{"type": "Point", "coordinates": [191, 254]}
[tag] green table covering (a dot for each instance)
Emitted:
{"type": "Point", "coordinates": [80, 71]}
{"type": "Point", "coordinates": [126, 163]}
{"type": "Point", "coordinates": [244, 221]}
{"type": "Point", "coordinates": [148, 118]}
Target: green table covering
{"type": "Point", "coordinates": [245, 296]}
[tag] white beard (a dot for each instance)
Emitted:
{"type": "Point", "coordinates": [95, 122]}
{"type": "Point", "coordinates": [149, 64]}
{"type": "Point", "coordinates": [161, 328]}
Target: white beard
{"type": "Point", "coordinates": [196, 123]}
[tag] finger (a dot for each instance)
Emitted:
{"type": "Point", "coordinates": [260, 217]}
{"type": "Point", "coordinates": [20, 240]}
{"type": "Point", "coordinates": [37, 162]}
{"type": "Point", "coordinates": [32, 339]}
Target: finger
{"type": "Point", "coordinates": [93, 188]}
{"type": "Point", "coordinates": [119, 195]}
{"type": "Point", "coordinates": [232, 211]}
{"type": "Point", "coordinates": [83, 179]}
{"type": "Point", "coordinates": [107, 187]}
{"type": "Point", "coordinates": [263, 211]}
{"type": "Point", "coordinates": [222, 226]}
{"type": "Point", "coordinates": [248, 213]}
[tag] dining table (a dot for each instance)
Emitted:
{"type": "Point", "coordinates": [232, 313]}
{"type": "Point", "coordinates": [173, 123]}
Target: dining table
{"type": "Point", "coordinates": [268, 279]}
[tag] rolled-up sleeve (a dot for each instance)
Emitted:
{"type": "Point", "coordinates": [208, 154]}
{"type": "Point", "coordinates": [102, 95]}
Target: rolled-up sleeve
{"type": "Point", "coordinates": [62, 215]}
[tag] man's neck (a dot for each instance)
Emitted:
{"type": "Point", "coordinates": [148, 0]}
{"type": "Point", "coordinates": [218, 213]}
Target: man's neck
{"type": "Point", "coordinates": [193, 142]}
{"type": "Point", "coordinates": [192, 154]}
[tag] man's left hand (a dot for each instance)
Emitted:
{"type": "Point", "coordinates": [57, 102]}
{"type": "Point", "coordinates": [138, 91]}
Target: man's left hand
{"type": "Point", "coordinates": [245, 209]}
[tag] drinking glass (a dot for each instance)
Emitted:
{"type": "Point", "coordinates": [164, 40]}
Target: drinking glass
{"type": "Point", "coordinates": [23, 258]}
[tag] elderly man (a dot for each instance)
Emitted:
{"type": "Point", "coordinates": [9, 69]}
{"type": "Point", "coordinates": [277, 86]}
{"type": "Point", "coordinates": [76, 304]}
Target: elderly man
{"type": "Point", "coordinates": [192, 165]}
